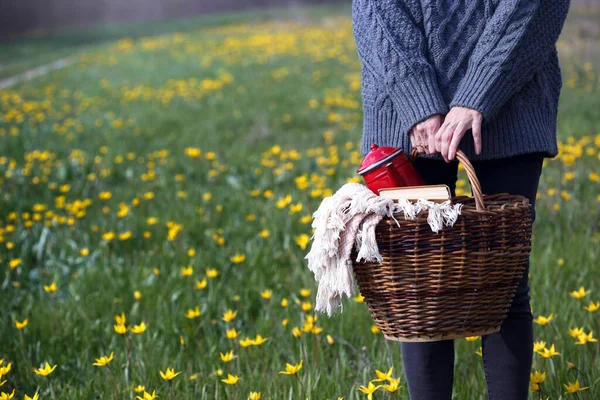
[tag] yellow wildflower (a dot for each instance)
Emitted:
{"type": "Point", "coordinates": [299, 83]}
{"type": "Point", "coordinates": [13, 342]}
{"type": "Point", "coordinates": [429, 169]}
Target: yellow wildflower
{"type": "Point", "coordinates": [141, 328]}
{"type": "Point", "coordinates": [147, 396]}
{"type": "Point", "coordinates": [583, 338]}
{"type": "Point", "coordinates": [231, 379]}
{"type": "Point", "coordinates": [543, 320]}
{"type": "Point", "coordinates": [191, 314]}
{"type": "Point", "coordinates": [574, 387]}
{"type": "Point", "coordinates": [21, 325]}
{"type": "Point", "coordinates": [593, 306]}
{"type": "Point", "coordinates": [169, 374]}
{"type": "Point", "coordinates": [104, 361]}
{"type": "Point", "coordinates": [50, 289]}
{"type": "Point", "coordinates": [47, 370]}
{"type": "Point", "coordinates": [579, 294]}
{"type": "Point", "coordinates": [227, 357]}
{"type": "Point", "coordinates": [369, 390]}
{"type": "Point", "coordinates": [292, 369]}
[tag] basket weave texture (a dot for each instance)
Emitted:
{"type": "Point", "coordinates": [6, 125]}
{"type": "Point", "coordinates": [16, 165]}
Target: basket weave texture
{"type": "Point", "coordinates": [452, 284]}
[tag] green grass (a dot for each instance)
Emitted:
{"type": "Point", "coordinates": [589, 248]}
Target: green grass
{"type": "Point", "coordinates": [274, 101]}
{"type": "Point", "coordinates": [38, 47]}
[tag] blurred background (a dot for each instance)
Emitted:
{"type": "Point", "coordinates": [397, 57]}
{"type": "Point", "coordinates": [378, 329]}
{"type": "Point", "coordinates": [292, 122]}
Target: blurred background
{"type": "Point", "coordinates": [160, 161]}
{"type": "Point", "coordinates": [19, 16]}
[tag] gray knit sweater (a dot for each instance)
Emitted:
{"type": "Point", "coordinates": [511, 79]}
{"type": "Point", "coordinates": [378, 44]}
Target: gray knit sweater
{"type": "Point", "coordinates": [422, 57]}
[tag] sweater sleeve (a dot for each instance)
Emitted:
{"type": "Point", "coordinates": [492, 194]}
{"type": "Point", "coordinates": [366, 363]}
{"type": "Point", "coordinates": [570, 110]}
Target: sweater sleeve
{"type": "Point", "coordinates": [392, 47]}
{"type": "Point", "coordinates": [516, 42]}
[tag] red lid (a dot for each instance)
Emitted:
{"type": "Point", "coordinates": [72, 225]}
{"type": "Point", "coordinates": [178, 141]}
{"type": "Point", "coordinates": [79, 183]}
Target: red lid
{"type": "Point", "coordinates": [377, 156]}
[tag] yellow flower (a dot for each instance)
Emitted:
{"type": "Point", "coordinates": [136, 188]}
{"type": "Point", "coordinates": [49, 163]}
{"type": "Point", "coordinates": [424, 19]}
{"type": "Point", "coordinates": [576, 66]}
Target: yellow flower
{"type": "Point", "coordinates": [47, 370]}
{"type": "Point", "coordinates": [120, 319]}
{"type": "Point", "coordinates": [21, 325]}
{"type": "Point", "coordinates": [479, 351]}
{"type": "Point", "coordinates": [104, 361]}
{"type": "Point", "coordinates": [369, 390]}
{"type": "Point", "coordinates": [147, 396]}
{"type": "Point", "coordinates": [292, 369]}
{"type": "Point", "coordinates": [543, 320]}
{"type": "Point", "coordinates": [231, 333]}
{"type": "Point", "coordinates": [108, 236]}
{"type": "Point", "coordinates": [548, 353]}
{"type": "Point", "coordinates": [302, 240]}
{"type": "Point", "coordinates": [4, 370]}
{"type": "Point", "coordinates": [393, 385]}
{"type": "Point", "coordinates": [579, 294]}
{"type": "Point", "coordinates": [84, 252]}
{"type": "Point", "coordinates": [50, 289]}
{"type": "Point", "coordinates": [258, 340]}
{"type": "Point", "coordinates": [120, 329]}
{"type": "Point", "coordinates": [212, 272]}
{"type": "Point", "coordinates": [583, 338]}
{"type": "Point", "coordinates": [264, 233]}
{"type": "Point", "coordinates": [139, 389]}
{"type": "Point", "coordinates": [471, 338]}
{"type": "Point", "coordinates": [593, 306]}
{"type": "Point", "coordinates": [383, 376]}
{"type": "Point", "coordinates": [246, 342]}
{"type": "Point", "coordinates": [168, 374]}
{"type": "Point", "coordinates": [238, 258]}
{"type": "Point", "coordinates": [6, 396]}
{"type": "Point", "coordinates": [201, 284]}
{"type": "Point", "coordinates": [534, 387]}
{"type": "Point", "coordinates": [539, 346]}
{"type": "Point", "coordinates": [141, 328]}
{"type": "Point", "coordinates": [266, 293]}
{"type": "Point", "coordinates": [229, 315]}
{"type": "Point", "coordinates": [575, 332]}
{"type": "Point", "coordinates": [137, 295]}
{"type": "Point", "coordinates": [227, 356]}
{"type": "Point", "coordinates": [359, 298]}
{"type": "Point", "coordinates": [574, 387]}
{"type": "Point", "coordinates": [330, 340]}
{"type": "Point", "coordinates": [191, 314]}
{"type": "Point", "coordinates": [35, 397]}
{"type": "Point", "coordinates": [187, 271]}
{"type": "Point", "coordinates": [231, 379]}
{"type": "Point", "coordinates": [537, 377]}
{"type": "Point", "coordinates": [254, 396]}
{"type": "Point", "coordinates": [14, 263]}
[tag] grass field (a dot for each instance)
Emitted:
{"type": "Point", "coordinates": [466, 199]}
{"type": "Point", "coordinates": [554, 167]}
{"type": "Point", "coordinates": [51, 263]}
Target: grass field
{"type": "Point", "coordinates": [155, 205]}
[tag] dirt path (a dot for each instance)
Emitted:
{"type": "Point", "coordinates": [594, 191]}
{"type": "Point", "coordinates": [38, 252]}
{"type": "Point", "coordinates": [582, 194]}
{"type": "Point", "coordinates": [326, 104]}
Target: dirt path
{"type": "Point", "coordinates": [35, 72]}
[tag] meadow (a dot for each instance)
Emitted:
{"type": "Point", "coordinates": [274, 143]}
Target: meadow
{"type": "Point", "coordinates": [156, 197]}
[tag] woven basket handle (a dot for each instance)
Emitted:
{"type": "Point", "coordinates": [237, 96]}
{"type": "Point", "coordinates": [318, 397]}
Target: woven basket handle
{"type": "Point", "coordinates": [473, 181]}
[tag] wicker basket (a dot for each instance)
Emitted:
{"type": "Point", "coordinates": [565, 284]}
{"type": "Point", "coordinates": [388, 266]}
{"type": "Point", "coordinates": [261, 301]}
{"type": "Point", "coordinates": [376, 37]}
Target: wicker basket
{"type": "Point", "coordinates": [456, 283]}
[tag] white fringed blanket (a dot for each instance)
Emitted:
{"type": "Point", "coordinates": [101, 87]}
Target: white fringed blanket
{"type": "Point", "coordinates": [348, 218]}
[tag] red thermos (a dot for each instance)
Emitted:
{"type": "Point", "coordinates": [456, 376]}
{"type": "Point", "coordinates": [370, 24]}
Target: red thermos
{"type": "Point", "coordinates": [385, 167]}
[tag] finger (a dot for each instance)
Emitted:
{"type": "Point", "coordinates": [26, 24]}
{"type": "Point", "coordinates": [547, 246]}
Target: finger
{"type": "Point", "coordinates": [446, 139]}
{"type": "Point", "coordinates": [438, 137]}
{"type": "Point", "coordinates": [457, 135]}
{"type": "Point", "coordinates": [431, 141]}
{"type": "Point", "coordinates": [477, 135]}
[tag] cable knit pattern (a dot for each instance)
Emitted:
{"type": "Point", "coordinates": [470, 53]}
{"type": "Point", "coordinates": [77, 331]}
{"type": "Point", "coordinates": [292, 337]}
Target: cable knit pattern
{"type": "Point", "coordinates": [422, 57]}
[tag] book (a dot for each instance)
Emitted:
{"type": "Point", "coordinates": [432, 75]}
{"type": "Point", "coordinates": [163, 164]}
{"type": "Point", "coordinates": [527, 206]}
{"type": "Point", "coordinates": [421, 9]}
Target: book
{"type": "Point", "coordinates": [436, 193]}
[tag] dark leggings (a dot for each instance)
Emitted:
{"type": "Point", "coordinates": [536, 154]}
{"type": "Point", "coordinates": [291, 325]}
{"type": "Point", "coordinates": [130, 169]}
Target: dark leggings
{"type": "Point", "coordinates": [507, 354]}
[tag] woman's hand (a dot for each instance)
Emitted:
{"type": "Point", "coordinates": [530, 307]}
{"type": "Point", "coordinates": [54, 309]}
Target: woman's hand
{"type": "Point", "coordinates": [422, 135]}
{"type": "Point", "coordinates": [456, 123]}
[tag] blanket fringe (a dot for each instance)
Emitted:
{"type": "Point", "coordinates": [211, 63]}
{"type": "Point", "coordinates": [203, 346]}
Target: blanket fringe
{"type": "Point", "coordinates": [349, 218]}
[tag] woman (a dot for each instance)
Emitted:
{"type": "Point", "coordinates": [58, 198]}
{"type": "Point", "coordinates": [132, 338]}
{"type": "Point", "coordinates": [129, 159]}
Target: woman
{"type": "Point", "coordinates": [482, 76]}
